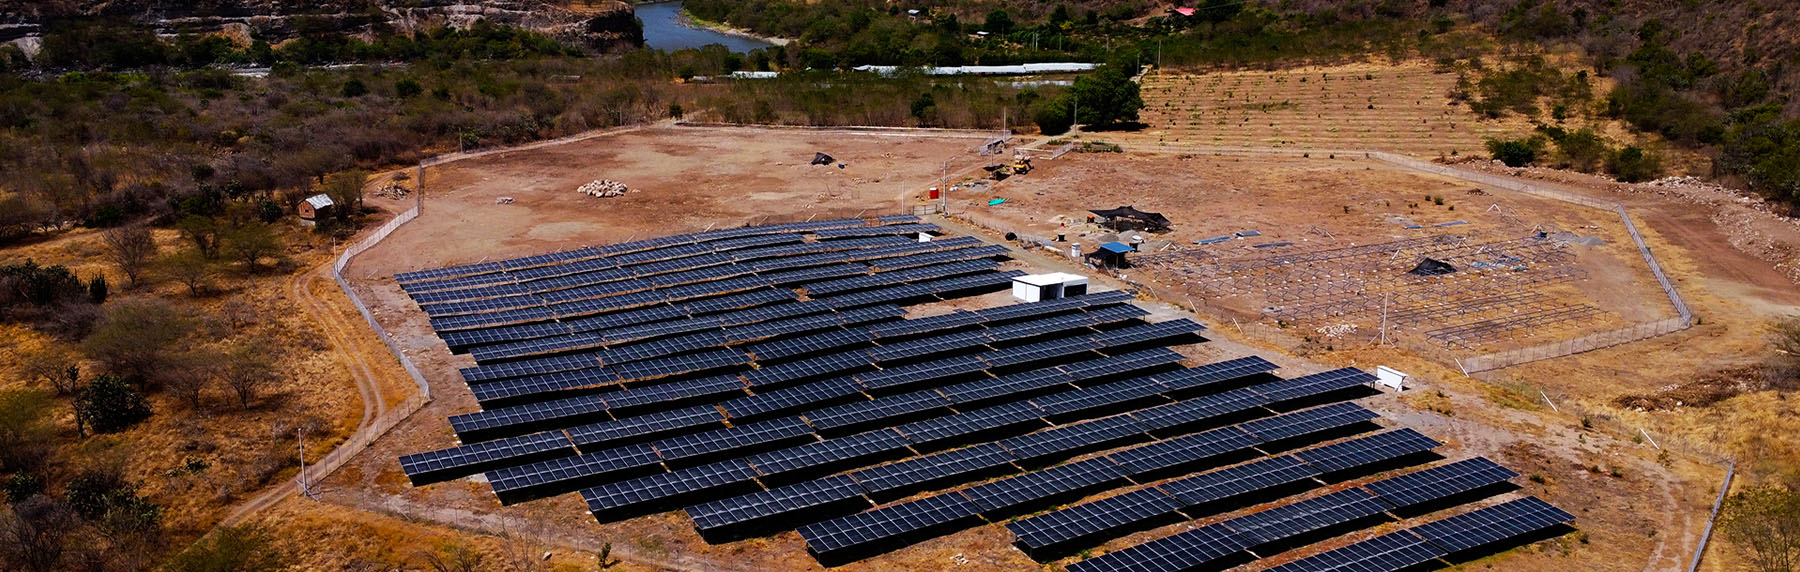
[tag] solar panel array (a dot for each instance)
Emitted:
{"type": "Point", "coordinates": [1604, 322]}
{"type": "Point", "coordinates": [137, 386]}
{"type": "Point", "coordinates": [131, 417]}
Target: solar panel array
{"type": "Point", "coordinates": [766, 378]}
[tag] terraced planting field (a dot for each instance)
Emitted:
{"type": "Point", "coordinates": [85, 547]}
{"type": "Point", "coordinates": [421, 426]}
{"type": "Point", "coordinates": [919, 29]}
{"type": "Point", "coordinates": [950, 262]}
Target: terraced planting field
{"type": "Point", "coordinates": [1402, 108]}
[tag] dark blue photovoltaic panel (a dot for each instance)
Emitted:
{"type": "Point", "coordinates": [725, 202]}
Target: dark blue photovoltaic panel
{"type": "Point", "coordinates": [1099, 396]}
{"type": "Point", "coordinates": [1025, 489]}
{"type": "Point", "coordinates": [880, 409]}
{"type": "Point", "coordinates": [964, 424]}
{"type": "Point", "coordinates": [1401, 550]}
{"type": "Point", "coordinates": [979, 390]}
{"type": "Point", "coordinates": [921, 372]}
{"type": "Point", "coordinates": [732, 438]}
{"type": "Point", "coordinates": [1182, 551]}
{"type": "Point", "coordinates": [813, 455]}
{"type": "Point", "coordinates": [1184, 379]}
{"type": "Point", "coordinates": [464, 460]}
{"type": "Point", "coordinates": [1180, 450]}
{"type": "Point", "coordinates": [663, 393]}
{"type": "Point", "coordinates": [642, 427]}
{"type": "Point", "coordinates": [1315, 384]}
{"type": "Point", "coordinates": [1243, 479]}
{"type": "Point", "coordinates": [1440, 482]}
{"type": "Point", "coordinates": [625, 495]}
{"type": "Point", "coordinates": [503, 421]}
{"type": "Point", "coordinates": [1200, 409]}
{"type": "Point", "coordinates": [1310, 515]}
{"type": "Point", "coordinates": [1492, 524]}
{"type": "Point", "coordinates": [773, 502]}
{"type": "Point", "coordinates": [884, 523]}
{"type": "Point", "coordinates": [1072, 437]}
{"type": "Point", "coordinates": [792, 398]}
{"type": "Point", "coordinates": [1308, 422]}
{"type": "Point", "coordinates": [919, 470]}
{"type": "Point", "coordinates": [1367, 450]}
{"type": "Point", "coordinates": [559, 474]}
{"type": "Point", "coordinates": [1090, 519]}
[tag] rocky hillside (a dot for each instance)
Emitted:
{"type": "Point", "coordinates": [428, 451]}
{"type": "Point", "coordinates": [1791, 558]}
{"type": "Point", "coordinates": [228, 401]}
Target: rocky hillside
{"type": "Point", "coordinates": [598, 24]}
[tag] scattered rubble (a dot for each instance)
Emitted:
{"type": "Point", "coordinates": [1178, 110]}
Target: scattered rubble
{"type": "Point", "coordinates": [393, 191]}
{"type": "Point", "coordinates": [603, 188]}
{"type": "Point", "coordinates": [1337, 330]}
{"type": "Point", "coordinates": [503, 201]}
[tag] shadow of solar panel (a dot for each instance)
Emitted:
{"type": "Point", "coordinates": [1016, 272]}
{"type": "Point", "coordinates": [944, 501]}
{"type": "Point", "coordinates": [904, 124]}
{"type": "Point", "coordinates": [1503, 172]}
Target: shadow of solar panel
{"type": "Point", "coordinates": [644, 427]}
{"type": "Point", "coordinates": [810, 344]}
{"type": "Point", "coordinates": [1436, 483]}
{"type": "Point", "coordinates": [779, 503]}
{"type": "Point", "coordinates": [736, 440]}
{"type": "Point", "coordinates": [1180, 552]}
{"type": "Point", "coordinates": [922, 472]}
{"type": "Point", "coordinates": [1005, 385]}
{"type": "Point", "coordinates": [526, 367]}
{"type": "Point", "coordinates": [1308, 516]}
{"type": "Point", "coordinates": [1202, 409]}
{"type": "Point", "coordinates": [1502, 522]}
{"type": "Point", "coordinates": [566, 474]}
{"type": "Point", "coordinates": [1386, 553]}
{"type": "Point", "coordinates": [970, 423]}
{"type": "Point", "coordinates": [521, 419]}
{"type": "Point", "coordinates": [1068, 440]}
{"type": "Point", "coordinates": [627, 401]}
{"type": "Point", "coordinates": [1037, 488]}
{"type": "Point", "coordinates": [793, 398]}
{"type": "Point", "coordinates": [879, 410]}
{"type": "Point", "coordinates": [643, 495]}
{"type": "Point", "coordinates": [1184, 450]}
{"type": "Point", "coordinates": [1308, 422]}
{"type": "Point", "coordinates": [1196, 377]}
{"type": "Point", "coordinates": [1315, 384]}
{"type": "Point", "coordinates": [916, 373]}
{"type": "Point", "coordinates": [536, 387]}
{"type": "Point", "coordinates": [1103, 396]}
{"type": "Point", "coordinates": [1092, 520]}
{"type": "Point", "coordinates": [464, 460]}
{"type": "Point", "coordinates": [1369, 450]}
{"type": "Point", "coordinates": [1040, 352]}
{"type": "Point", "coordinates": [821, 456]}
{"type": "Point", "coordinates": [822, 366]}
{"type": "Point", "coordinates": [887, 526]}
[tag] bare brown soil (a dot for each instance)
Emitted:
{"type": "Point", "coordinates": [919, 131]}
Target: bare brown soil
{"type": "Point", "coordinates": [695, 177]}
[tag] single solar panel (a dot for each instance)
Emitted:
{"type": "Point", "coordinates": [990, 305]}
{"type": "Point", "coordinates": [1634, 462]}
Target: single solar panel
{"type": "Point", "coordinates": [1179, 552]}
{"type": "Point", "coordinates": [1492, 524]}
{"type": "Point", "coordinates": [644, 427]}
{"type": "Point", "coordinates": [1022, 490]}
{"type": "Point", "coordinates": [1367, 450]}
{"type": "Point", "coordinates": [1440, 482]}
{"type": "Point", "coordinates": [1390, 552]}
{"type": "Point", "coordinates": [1162, 455]}
{"type": "Point", "coordinates": [929, 468]}
{"type": "Point", "coordinates": [1308, 422]}
{"type": "Point", "coordinates": [884, 523]}
{"type": "Point", "coordinates": [772, 503]}
{"type": "Point", "coordinates": [1093, 518]}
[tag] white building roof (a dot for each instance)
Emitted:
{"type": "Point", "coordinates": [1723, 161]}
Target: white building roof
{"type": "Point", "coordinates": [319, 201]}
{"type": "Point", "coordinates": [1049, 279]}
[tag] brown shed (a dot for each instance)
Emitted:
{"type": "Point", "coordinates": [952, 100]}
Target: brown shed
{"type": "Point", "coordinates": [315, 206]}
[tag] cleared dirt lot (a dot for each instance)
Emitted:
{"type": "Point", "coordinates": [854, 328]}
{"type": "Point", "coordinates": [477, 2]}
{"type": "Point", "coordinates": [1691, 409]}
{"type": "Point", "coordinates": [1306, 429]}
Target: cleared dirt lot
{"type": "Point", "coordinates": [692, 178]}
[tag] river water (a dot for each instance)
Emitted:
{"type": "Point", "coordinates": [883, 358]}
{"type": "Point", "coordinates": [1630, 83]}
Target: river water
{"type": "Point", "coordinates": [663, 31]}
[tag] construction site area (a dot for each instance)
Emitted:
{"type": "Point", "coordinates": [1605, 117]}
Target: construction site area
{"type": "Point", "coordinates": [1340, 249]}
{"type": "Point", "coordinates": [479, 342]}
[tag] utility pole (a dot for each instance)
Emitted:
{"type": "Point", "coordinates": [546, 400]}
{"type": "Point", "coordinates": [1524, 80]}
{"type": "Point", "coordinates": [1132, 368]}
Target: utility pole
{"type": "Point", "coordinates": [1384, 310]}
{"type": "Point", "coordinates": [305, 487]}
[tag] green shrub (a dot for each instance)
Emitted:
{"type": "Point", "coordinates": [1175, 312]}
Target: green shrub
{"type": "Point", "coordinates": [1515, 152]}
{"type": "Point", "coordinates": [1634, 165]}
{"type": "Point", "coordinates": [109, 405]}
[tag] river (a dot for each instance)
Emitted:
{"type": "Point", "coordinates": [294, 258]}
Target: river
{"type": "Point", "coordinates": [663, 30]}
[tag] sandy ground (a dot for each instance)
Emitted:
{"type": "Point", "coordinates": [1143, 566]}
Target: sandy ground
{"type": "Point", "coordinates": [695, 177]}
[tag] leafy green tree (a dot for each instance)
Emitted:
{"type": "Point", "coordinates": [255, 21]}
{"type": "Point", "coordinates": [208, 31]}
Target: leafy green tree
{"type": "Point", "coordinates": [354, 88]}
{"type": "Point", "coordinates": [1584, 150]}
{"type": "Point", "coordinates": [203, 231]}
{"type": "Point", "coordinates": [1634, 165]}
{"type": "Point", "coordinates": [104, 498]}
{"type": "Point", "coordinates": [139, 339]}
{"type": "Point", "coordinates": [1515, 152]}
{"type": "Point", "coordinates": [1053, 117]}
{"type": "Point", "coordinates": [924, 108]}
{"type": "Point", "coordinates": [407, 87]}
{"type": "Point", "coordinates": [1106, 96]}
{"type": "Point", "coordinates": [110, 405]}
{"type": "Point", "coordinates": [1763, 522]}
{"type": "Point", "coordinates": [250, 243]}
{"type": "Point", "coordinates": [25, 430]}
{"type": "Point", "coordinates": [998, 23]}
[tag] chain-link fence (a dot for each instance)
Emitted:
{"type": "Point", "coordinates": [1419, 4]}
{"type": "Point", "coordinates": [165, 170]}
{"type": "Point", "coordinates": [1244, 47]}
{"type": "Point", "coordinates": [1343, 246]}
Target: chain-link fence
{"type": "Point", "coordinates": [363, 437]}
{"type": "Point", "coordinates": [1683, 316]}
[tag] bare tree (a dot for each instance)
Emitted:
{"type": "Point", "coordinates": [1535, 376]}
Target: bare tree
{"type": "Point", "coordinates": [246, 369]}
{"type": "Point", "coordinates": [139, 338]}
{"type": "Point", "coordinates": [32, 534]}
{"type": "Point", "coordinates": [454, 557]}
{"type": "Point", "coordinates": [51, 365]}
{"type": "Point", "coordinates": [131, 248]}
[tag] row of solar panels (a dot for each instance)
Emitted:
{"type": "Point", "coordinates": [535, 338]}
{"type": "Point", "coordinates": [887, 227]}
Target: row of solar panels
{"type": "Point", "coordinates": [985, 279]}
{"type": "Point", "coordinates": [641, 245]}
{"type": "Point", "coordinates": [682, 264]}
{"type": "Point", "coordinates": [767, 274]}
{"type": "Point", "coordinates": [1053, 534]}
{"type": "Point", "coordinates": [624, 499]}
{"type": "Point", "coordinates": [539, 387]}
{"type": "Point", "coordinates": [590, 284]}
{"type": "Point", "coordinates": [827, 420]}
{"type": "Point", "coordinates": [1441, 539]}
